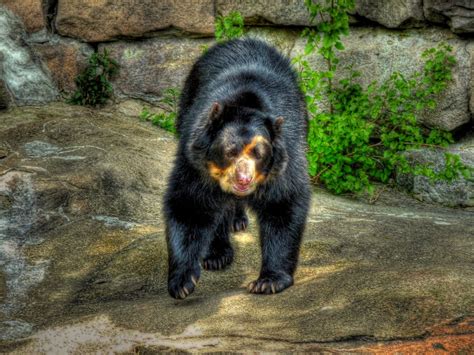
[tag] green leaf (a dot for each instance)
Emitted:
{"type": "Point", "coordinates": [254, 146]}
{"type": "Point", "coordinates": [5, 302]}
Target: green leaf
{"type": "Point", "coordinates": [339, 46]}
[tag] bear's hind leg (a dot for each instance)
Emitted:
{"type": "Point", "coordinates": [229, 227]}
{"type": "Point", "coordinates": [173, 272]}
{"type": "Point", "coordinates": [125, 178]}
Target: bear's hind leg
{"type": "Point", "coordinates": [221, 253]}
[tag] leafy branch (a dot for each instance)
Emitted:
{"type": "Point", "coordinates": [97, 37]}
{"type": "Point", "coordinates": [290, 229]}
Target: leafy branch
{"type": "Point", "coordinates": [93, 84]}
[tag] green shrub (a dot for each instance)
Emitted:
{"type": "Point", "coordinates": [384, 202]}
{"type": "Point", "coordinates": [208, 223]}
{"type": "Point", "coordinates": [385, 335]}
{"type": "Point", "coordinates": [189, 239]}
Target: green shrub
{"type": "Point", "coordinates": [361, 136]}
{"type": "Point", "coordinates": [229, 27]}
{"type": "Point", "coordinates": [93, 86]}
{"type": "Point", "coordinates": [165, 119]}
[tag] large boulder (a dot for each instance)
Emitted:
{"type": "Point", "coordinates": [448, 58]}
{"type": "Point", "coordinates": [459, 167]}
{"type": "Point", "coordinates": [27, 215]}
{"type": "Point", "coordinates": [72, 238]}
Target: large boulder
{"type": "Point", "coordinates": [458, 14]}
{"type": "Point", "coordinates": [30, 12]}
{"type": "Point", "coordinates": [23, 74]}
{"type": "Point", "coordinates": [65, 59]}
{"type": "Point", "coordinates": [98, 21]}
{"type": "Point", "coordinates": [392, 13]}
{"type": "Point", "coordinates": [377, 53]}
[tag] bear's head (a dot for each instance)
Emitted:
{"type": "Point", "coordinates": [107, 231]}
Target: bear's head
{"type": "Point", "coordinates": [240, 148]}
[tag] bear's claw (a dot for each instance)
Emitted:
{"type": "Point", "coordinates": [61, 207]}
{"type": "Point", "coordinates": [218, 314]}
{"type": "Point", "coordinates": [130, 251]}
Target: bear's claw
{"type": "Point", "coordinates": [217, 263]}
{"type": "Point", "coordinates": [269, 285]}
{"type": "Point", "coordinates": [182, 286]}
{"type": "Point", "coordinates": [240, 223]}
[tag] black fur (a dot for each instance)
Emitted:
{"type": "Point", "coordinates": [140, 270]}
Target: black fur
{"type": "Point", "coordinates": [254, 85]}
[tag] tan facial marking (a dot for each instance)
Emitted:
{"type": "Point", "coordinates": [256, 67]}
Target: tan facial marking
{"type": "Point", "coordinates": [215, 171]}
{"type": "Point", "coordinates": [249, 147]}
{"type": "Point", "coordinates": [259, 178]}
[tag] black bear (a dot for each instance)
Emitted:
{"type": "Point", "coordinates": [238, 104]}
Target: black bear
{"type": "Point", "coordinates": [242, 123]}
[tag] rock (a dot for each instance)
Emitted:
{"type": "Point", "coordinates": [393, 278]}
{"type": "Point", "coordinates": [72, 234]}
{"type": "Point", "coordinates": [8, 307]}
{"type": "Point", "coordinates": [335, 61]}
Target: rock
{"type": "Point", "coordinates": [3, 154]}
{"type": "Point", "coordinates": [377, 53]}
{"type": "Point", "coordinates": [83, 251]}
{"type": "Point", "coordinates": [14, 329]}
{"type": "Point", "coordinates": [282, 39]}
{"type": "Point", "coordinates": [131, 108]}
{"type": "Point", "coordinates": [30, 12]}
{"type": "Point", "coordinates": [459, 192]}
{"type": "Point", "coordinates": [392, 13]}
{"type": "Point", "coordinates": [65, 59]}
{"type": "Point", "coordinates": [5, 97]}
{"type": "Point", "coordinates": [93, 21]}
{"type": "Point", "coordinates": [264, 12]}
{"type": "Point", "coordinates": [149, 67]}
{"type": "Point", "coordinates": [458, 14]}
{"type": "Point", "coordinates": [23, 75]}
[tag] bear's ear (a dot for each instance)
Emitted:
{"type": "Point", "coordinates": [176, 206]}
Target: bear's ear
{"type": "Point", "coordinates": [274, 126]}
{"type": "Point", "coordinates": [215, 112]}
{"type": "Point", "coordinates": [277, 125]}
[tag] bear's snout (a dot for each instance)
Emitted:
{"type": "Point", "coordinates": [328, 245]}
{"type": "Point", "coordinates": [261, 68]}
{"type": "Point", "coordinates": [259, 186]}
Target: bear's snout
{"type": "Point", "coordinates": [244, 172]}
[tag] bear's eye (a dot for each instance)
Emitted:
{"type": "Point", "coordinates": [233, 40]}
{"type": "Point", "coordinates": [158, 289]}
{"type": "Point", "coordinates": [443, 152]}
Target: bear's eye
{"type": "Point", "coordinates": [231, 152]}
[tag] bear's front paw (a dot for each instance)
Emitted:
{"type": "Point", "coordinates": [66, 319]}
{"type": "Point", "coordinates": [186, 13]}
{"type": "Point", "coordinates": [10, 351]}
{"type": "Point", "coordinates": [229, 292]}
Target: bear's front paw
{"type": "Point", "coordinates": [181, 285]}
{"type": "Point", "coordinates": [240, 223]}
{"type": "Point", "coordinates": [270, 284]}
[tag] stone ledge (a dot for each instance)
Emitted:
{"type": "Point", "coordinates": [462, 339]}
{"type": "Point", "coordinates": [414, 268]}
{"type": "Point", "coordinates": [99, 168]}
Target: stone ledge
{"type": "Point", "coordinates": [93, 21]}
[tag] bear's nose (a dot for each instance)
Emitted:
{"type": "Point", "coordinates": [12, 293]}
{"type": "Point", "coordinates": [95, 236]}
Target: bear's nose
{"type": "Point", "coordinates": [243, 179]}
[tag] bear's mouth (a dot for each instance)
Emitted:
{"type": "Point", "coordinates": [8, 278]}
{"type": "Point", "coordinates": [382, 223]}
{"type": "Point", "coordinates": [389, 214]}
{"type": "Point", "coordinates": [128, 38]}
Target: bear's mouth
{"type": "Point", "coordinates": [241, 189]}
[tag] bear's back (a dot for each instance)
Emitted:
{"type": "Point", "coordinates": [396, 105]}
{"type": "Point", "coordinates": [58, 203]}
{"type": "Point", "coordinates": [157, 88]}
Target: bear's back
{"type": "Point", "coordinates": [248, 52]}
{"type": "Point", "coordinates": [247, 62]}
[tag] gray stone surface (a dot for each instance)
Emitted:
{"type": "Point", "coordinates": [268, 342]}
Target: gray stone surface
{"type": "Point", "coordinates": [376, 53]}
{"type": "Point", "coordinates": [23, 74]}
{"type": "Point", "coordinates": [392, 13]}
{"type": "Point", "coordinates": [458, 14]}
{"type": "Point", "coordinates": [149, 67]}
{"type": "Point", "coordinates": [85, 269]}
{"type": "Point", "coordinates": [97, 21]}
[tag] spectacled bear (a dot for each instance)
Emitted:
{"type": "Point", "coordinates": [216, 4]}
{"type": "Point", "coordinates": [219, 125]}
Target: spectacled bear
{"type": "Point", "coordinates": [242, 123]}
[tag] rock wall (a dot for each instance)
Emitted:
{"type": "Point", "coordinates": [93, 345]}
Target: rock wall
{"type": "Point", "coordinates": [156, 42]}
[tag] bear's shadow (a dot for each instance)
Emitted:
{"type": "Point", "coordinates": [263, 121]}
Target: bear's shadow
{"type": "Point", "coordinates": [136, 276]}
